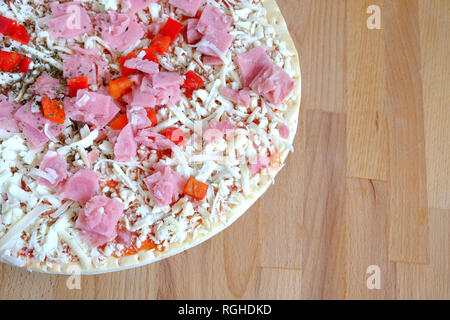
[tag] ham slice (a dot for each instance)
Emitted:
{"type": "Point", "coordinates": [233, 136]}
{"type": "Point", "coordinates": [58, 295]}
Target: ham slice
{"type": "Point", "coordinates": [284, 130]}
{"type": "Point", "coordinates": [81, 187]}
{"type": "Point", "coordinates": [86, 63]}
{"type": "Point", "coordinates": [159, 89]}
{"type": "Point", "coordinates": [98, 219]}
{"type": "Point", "coordinates": [241, 97]}
{"type": "Point", "coordinates": [93, 156]}
{"type": "Point", "coordinates": [260, 163]}
{"type": "Point", "coordinates": [165, 185]}
{"type": "Point", "coordinates": [212, 61]}
{"type": "Point", "coordinates": [120, 31]}
{"type": "Point", "coordinates": [154, 140]}
{"type": "Point", "coordinates": [136, 5]}
{"type": "Point", "coordinates": [145, 66]}
{"type": "Point", "coordinates": [251, 63]}
{"type": "Point", "coordinates": [7, 109]}
{"type": "Point", "coordinates": [69, 20]}
{"type": "Point", "coordinates": [54, 165]}
{"type": "Point", "coordinates": [217, 130]}
{"type": "Point", "coordinates": [33, 126]}
{"type": "Point", "coordinates": [213, 18]}
{"type": "Point", "coordinates": [215, 43]}
{"type": "Point", "coordinates": [138, 118]}
{"type": "Point", "coordinates": [47, 86]}
{"type": "Point", "coordinates": [192, 34]}
{"type": "Point", "coordinates": [188, 6]}
{"type": "Point", "coordinates": [125, 147]}
{"type": "Point", "coordinates": [274, 84]}
{"type": "Point", "coordinates": [93, 108]}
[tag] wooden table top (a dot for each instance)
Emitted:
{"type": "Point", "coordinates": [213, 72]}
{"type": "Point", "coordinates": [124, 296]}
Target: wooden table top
{"type": "Point", "coordinates": [368, 184]}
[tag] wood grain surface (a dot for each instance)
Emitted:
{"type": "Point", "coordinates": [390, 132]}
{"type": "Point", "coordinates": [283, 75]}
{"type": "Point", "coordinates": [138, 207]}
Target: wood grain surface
{"type": "Point", "coordinates": [368, 184]}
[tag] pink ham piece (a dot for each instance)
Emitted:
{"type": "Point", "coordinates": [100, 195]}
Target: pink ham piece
{"type": "Point", "coordinates": [212, 61]}
{"type": "Point", "coordinates": [98, 219]}
{"type": "Point", "coordinates": [260, 163]}
{"type": "Point", "coordinates": [165, 185]}
{"type": "Point", "coordinates": [213, 18]}
{"type": "Point", "coordinates": [125, 147]}
{"type": "Point", "coordinates": [241, 97]}
{"type": "Point", "coordinates": [124, 236]}
{"type": "Point", "coordinates": [92, 108]}
{"type": "Point", "coordinates": [47, 86]}
{"type": "Point", "coordinates": [33, 126]}
{"type": "Point", "coordinates": [145, 66]}
{"type": "Point", "coordinates": [93, 156]}
{"type": "Point", "coordinates": [7, 109]}
{"type": "Point", "coordinates": [192, 34]}
{"type": "Point", "coordinates": [154, 140]}
{"type": "Point", "coordinates": [136, 5]}
{"type": "Point", "coordinates": [273, 84]}
{"type": "Point", "coordinates": [159, 89]}
{"type": "Point", "coordinates": [138, 118]}
{"type": "Point", "coordinates": [284, 130]}
{"type": "Point", "coordinates": [81, 187]}
{"type": "Point", "coordinates": [217, 130]}
{"type": "Point", "coordinates": [69, 20]}
{"type": "Point", "coordinates": [251, 63]}
{"type": "Point", "coordinates": [166, 80]}
{"type": "Point", "coordinates": [188, 6]}
{"type": "Point", "coordinates": [215, 43]}
{"type": "Point", "coordinates": [120, 31]}
{"type": "Point", "coordinates": [54, 165]}
{"type": "Point", "coordinates": [86, 63]}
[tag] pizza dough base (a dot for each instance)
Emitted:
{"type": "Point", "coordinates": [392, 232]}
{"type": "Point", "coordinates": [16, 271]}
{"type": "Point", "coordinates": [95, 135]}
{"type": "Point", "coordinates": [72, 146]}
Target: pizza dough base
{"type": "Point", "coordinates": [144, 257]}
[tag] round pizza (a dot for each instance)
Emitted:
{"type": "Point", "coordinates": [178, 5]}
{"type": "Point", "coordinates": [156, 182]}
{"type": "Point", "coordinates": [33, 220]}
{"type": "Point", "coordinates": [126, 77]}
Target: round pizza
{"type": "Point", "coordinates": [131, 130]}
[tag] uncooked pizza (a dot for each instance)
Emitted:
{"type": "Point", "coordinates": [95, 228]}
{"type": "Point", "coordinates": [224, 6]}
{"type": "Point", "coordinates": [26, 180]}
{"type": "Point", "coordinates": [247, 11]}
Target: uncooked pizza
{"type": "Point", "coordinates": [131, 130]}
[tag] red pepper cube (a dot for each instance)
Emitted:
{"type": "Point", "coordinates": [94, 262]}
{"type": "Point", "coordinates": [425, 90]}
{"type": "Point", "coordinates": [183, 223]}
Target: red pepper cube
{"type": "Point", "coordinates": [175, 135]}
{"type": "Point", "coordinates": [77, 84]}
{"type": "Point", "coordinates": [160, 44]}
{"type": "Point", "coordinates": [21, 35]}
{"type": "Point", "coordinates": [171, 29]}
{"type": "Point", "coordinates": [151, 114]}
{"type": "Point", "coordinates": [127, 71]}
{"type": "Point", "coordinates": [24, 65]}
{"type": "Point", "coordinates": [195, 189]}
{"type": "Point", "coordinates": [193, 82]}
{"type": "Point", "coordinates": [10, 61]}
{"type": "Point", "coordinates": [7, 26]}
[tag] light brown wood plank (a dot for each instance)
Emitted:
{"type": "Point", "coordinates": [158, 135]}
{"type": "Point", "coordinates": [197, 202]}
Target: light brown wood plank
{"type": "Point", "coordinates": [323, 222]}
{"type": "Point", "coordinates": [285, 251]}
{"type": "Point", "coordinates": [408, 217]}
{"type": "Point", "coordinates": [430, 281]}
{"type": "Point", "coordinates": [435, 51]}
{"type": "Point", "coordinates": [367, 239]}
{"type": "Point", "coordinates": [321, 43]}
{"type": "Point", "coordinates": [279, 284]}
{"type": "Point", "coordinates": [367, 134]}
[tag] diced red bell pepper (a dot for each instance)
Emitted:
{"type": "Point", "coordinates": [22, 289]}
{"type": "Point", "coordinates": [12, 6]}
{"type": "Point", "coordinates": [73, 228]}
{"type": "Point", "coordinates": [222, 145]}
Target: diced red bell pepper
{"type": "Point", "coordinates": [195, 189]}
{"type": "Point", "coordinates": [175, 135]}
{"type": "Point", "coordinates": [127, 71]}
{"type": "Point", "coordinates": [7, 26]}
{"type": "Point", "coordinates": [150, 56]}
{"type": "Point", "coordinates": [160, 44]}
{"type": "Point", "coordinates": [151, 114]}
{"type": "Point", "coordinates": [10, 61]}
{"type": "Point", "coordinates": [119, 87]}
{"type": "Point", "coordinates": [119, 122]}
{"type": "Point", "coordinates": [53, 110]}
{"type": "Point", "coordinates": [24, 65]}
{"type": "Point", "coordinates": [77, 84]}
{"type": "Point", "coordinates": [193, 82]}
{"type": "Point", "coordinates": [17, 32]}
{"type": "Point", "coordinates": [171, 29]}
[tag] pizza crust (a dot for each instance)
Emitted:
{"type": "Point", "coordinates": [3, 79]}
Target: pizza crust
{"type": "Point", "coordinates": [144, 257]}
